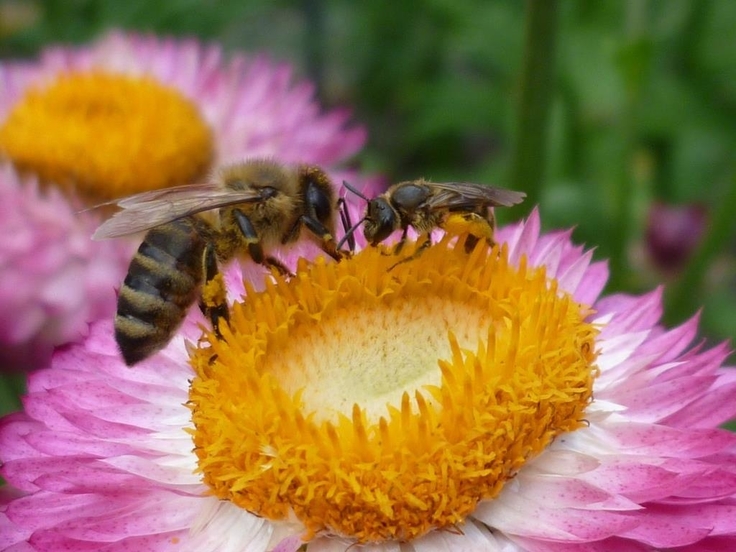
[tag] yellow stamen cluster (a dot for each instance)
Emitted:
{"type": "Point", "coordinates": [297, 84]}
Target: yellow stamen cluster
{"type": "Point", "coordinates": [107, 135]}
{"type": "Point", "coordinates": [381, 404]}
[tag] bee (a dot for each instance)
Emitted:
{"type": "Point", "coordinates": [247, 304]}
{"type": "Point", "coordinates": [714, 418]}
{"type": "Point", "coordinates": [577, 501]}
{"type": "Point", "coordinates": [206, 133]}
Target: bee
{"type": "Point", "coordinates": [247, 210]}
{"type": "Point", "coordinates": [457, 207]}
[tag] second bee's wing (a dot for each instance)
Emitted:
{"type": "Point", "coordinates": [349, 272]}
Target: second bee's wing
{"type": "Point", "coordinates": [458, 195]}
{"type": "Point", "coordinates": [147, 210]}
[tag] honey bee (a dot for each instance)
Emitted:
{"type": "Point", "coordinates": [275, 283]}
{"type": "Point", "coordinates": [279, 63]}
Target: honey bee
{"type": "Point", "coordinates": [458, 207]}
{"type": "Point", "coordinates": [248, 209]}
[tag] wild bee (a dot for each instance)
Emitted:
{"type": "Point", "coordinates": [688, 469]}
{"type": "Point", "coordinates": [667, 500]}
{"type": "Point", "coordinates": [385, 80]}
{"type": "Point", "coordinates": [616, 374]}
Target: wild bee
{"type": "Point", "coordinates": [248, 209]}
{"type": "Point", "coordinates": [458, 207]}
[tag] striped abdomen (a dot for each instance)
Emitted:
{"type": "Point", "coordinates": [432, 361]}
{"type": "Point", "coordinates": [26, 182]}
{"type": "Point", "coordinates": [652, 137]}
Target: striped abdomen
{"type": "Point", "coordinates": [162, 283]}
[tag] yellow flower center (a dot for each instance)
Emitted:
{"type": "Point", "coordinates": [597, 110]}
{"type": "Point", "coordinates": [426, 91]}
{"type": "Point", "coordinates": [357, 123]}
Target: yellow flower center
{"type": "Point", "coordinates": [381, 404]}
{"type": "Point", "coordinates": [107, 135]}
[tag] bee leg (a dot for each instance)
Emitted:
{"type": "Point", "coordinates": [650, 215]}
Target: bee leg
{"type": "Point", "coordinates": [400, 245]}
{"type": "Point", "coordinates": [273, 262]}
{"type": "Point", "coordinates": [419, 250]}
{"type": "Point", "coordinates": [214, 298]}
{"type": "Point", "coordinates": [255, 249]}
{"type": "Point", "coordinates": [470, 242]}
{"type": "Point", "coordinates": [347, 224]}
{"type": "Point", "coordinates": [293, 232]}
{"type": "Point", "coordinates": [328, 243]}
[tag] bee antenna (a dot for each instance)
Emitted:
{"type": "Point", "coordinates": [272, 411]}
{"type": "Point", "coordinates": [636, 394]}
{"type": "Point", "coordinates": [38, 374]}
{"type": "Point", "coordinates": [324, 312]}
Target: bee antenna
{"type": "Point", "coordinates": [350, 232]}
{"type": "Point", "coordinates": [354, 190]}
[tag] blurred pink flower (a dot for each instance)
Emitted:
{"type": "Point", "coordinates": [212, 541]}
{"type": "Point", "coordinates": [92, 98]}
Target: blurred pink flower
{"type": "Point", "coordinates": [105, 455]}
{"type": "Point", "coordinates": [53, 281]}
{"type": "Point", "coordinates": [253, 106]}
{"type": "Point", "coordinates": [673, 233]}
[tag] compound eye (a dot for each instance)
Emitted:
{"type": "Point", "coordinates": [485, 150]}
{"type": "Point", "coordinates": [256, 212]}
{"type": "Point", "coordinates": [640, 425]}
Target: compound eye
{"type": "Point", "coordinates": [382, 221]}
{"type": "Point", "coordinates": [374, 210]}
{"type": "Point", "coordinates": [320, 202]}
{"type": "Point", "coordinates": [386, 215]}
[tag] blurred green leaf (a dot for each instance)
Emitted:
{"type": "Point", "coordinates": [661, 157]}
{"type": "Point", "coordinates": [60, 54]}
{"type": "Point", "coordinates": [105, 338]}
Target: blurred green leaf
{"type": "Point", "coordinates": [12, 387]}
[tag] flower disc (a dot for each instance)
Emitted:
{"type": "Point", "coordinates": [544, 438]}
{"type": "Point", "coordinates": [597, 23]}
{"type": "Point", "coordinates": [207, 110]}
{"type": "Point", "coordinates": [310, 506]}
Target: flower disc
{"type": "Point", "coordinates": [380, 403]}
{"type": "Point", "coordinates": [108, 135]}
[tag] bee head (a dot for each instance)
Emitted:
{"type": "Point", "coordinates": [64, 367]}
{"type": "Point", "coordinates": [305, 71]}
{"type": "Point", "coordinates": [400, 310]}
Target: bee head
{"type": "Point", "coordinates": [380, 221]}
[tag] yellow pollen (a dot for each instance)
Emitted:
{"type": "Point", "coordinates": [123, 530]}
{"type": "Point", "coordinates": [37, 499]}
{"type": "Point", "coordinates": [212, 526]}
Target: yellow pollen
{"type": "Point", "coordinates": [107, 135]}
{"type": "Point", "coordinates": [381, 404]}
{"type": "Point", "coordinates": [214, 292]}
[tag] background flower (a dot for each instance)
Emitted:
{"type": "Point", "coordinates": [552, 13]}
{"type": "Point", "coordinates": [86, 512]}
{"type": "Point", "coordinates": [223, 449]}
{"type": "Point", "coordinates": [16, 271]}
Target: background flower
{"type": "Point", "coordinates": [241, 107]}
{"type": "Point", "coordinates": [54, 280]}
{"type": "Point", "coordinates": [252, 105]}
{"type": "Point", "coordinates": [673, 233]}
{"type": "Point", "coordinates": [103, 453]}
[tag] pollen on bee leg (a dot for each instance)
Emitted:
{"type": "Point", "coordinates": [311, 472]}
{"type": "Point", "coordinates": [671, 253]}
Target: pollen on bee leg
{"type": "Point", "coordinates": [468, 223]}
{"type": "Point", "coordinates": [214, 292]}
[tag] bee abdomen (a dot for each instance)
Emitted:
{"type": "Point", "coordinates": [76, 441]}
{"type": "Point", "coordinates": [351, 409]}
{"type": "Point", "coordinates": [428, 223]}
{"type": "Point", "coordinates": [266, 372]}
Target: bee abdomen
{"type": "Point", "coordinates": [161, 285]}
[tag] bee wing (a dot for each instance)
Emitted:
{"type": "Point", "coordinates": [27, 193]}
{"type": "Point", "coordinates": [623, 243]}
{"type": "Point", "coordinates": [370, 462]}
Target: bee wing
{"type": "Point", "coordinates": [460, 195]}
{"type": "Point", "coordinates": [147, 210]}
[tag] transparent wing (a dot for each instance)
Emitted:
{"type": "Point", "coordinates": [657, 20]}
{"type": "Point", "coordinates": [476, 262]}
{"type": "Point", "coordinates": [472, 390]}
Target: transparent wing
{"type": "Point", "coordinates": [147, 210]}
{"type": "Point", "coordinates": [458, 195]}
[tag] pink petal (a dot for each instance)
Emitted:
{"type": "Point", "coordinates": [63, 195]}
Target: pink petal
{"type": "Point", "coordinates": [53, 541]}
{"type": "Point", "coordinates": [708, 410]}
{"type": "Point", "coordinates": [711, 544]}
{"type": "Point", "coordinates": [658, 440]}
{"type": "Point", "coordinates": [11, 533]}
{"type": "Point", "coordinates": [630, 314]}
{"type": "Point", "coordinates": [671, 343]}
{"type": "Point", "coordinates": [562, 462]}
{"type": "Point", "coordinates": [652, 402]}
{"type": "Point", "coordinates": [169, 476]}
{"type": "Point", "coordinates": [633, 479]}
{"type": "Point", "coordinates": [592, 283]}
{"type": "Point", "coordinates": [291, 544]}
{"type": "Point", "coordinates": [561, 492]}
{"type": "Point", "coordinates": [521, 238]}
{"type": "Point", "coordinates": [133, 517]}
{"type": "Point", "coordinates": [612, 544]}
{"type": "Point", "coordinates": [511, 513]}
{"type": "Point", "coordinates": [670, 526]}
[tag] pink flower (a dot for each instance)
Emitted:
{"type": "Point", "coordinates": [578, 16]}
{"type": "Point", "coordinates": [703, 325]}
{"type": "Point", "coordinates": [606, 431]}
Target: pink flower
{"type": "Point", "coordinates": [127, 113]}
{"type": "Point", "coordinates": [673, 233]}
{"type": "Point", "coordinates": [251, 105]}
{"type": "Point", "coordinates": [53, 279]}
{"type": "Point", "coordinates": [106, 458]}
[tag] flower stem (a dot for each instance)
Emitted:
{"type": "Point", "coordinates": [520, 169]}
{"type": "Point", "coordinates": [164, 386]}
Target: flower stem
{"type": "Point", "coordinates": [634, 57]}
{"type": "Point", "coordinates": [535, 98]}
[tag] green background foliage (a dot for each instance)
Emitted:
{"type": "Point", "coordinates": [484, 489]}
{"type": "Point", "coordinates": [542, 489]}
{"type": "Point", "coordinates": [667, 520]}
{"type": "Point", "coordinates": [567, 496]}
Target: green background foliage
{"type": "Point", "coordinates": [597, 109]}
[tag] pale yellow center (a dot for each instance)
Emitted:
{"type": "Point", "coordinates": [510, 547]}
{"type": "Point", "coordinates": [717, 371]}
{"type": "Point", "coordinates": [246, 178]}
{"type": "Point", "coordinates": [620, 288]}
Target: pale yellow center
{"type": "Point", "coordinates": [373, 370]}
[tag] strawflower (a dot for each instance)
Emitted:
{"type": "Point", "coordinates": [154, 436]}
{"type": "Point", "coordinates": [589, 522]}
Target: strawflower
{"type": "Point", "coordinates": [673, 233]}
{"type": "Point", "coordinates": [461, 402]}
{"type": "Point", "coordinates": [53, 279]}
{"type": "Point", "coordinates": [128, 114]}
